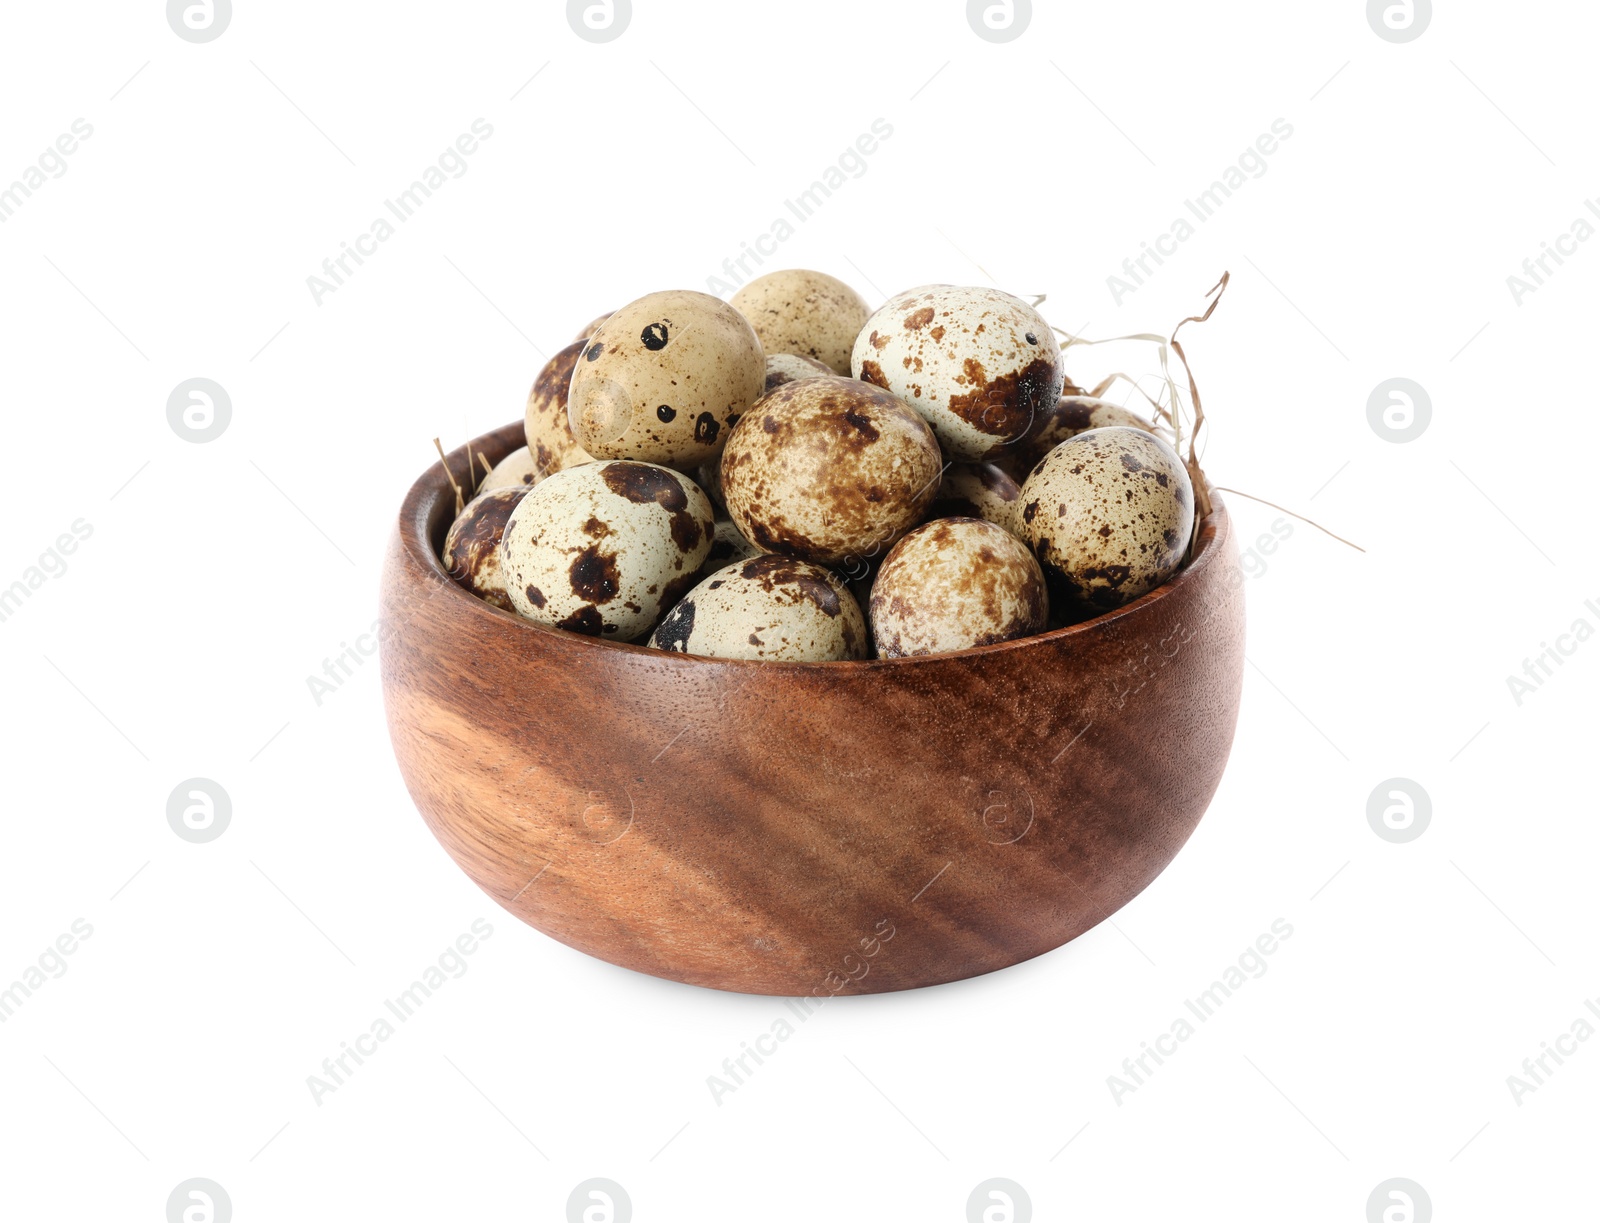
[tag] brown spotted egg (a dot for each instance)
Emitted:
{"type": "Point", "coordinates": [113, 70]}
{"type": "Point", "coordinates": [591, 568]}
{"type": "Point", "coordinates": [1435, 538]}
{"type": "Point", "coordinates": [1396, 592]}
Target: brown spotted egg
{"type": "Point", "coordinates": [980, 365]}
{"type": "Point", "coordinates": [602, 548]}
{"type": "Point", "coordinates": [544, 421]}
{"type": "Point", "coordinates": [1072, 415]}
{"type": "Point", "coordinates": [774, 608]}
{"type": "Point", "coordinates": [519, 469]}
{"type": "Point", "coordinates": [828, 469]}
{"type": "Point", "coordinates": [1108, 513]}
{"type": "Point", "coordinates": [809, 313]}
{"type": "Point", "coordinates": [953, 584]}
{"type": "Point", "coordinates": [728, 547]}
{"type": "Point", "coordinates": [781, 367]}
{"type": "Point", "coordinates": [472, 547]}
{"type": "Point", "coordinates": [791, 367]}
{"type": "Point", "coordinates": [977, 490]}
{"type": "Point", "coordinates": [664, 379]}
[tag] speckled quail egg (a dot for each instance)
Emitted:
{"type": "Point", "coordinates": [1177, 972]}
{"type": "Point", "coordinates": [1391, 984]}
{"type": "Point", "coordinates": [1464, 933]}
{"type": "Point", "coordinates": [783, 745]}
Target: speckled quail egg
{"type": "Point", "coordinates": [472, 546]}
{"type": "Point", "coordinates": [828, 469]}
{"type": "Point", "coordinates": [728, 547]}
{"type": "Point", "coordinates": [519, 469]}
{"type": "Point", "coordinates": [544, 421]}
{"type": "Point", "coordinates": [774, 608]}
{"type": "Point", "coordinates": [1108, 513]}
{"type": "Point", "coordinates": [781, 367]}
{"type": "Point", "coordinates": [979, 364]}
{"type": "Point", "coordinates": [602, 548]}
{"type": "Point", "coordinates": [709, 477]}
{"type": "Point", "coordinates": [810, 313]}
{"type": "Point", "coordinates": [977, 490]}
{"type": "Point", "coordinates": [664, 379]}
{"type": "Point", "coordinates": [1070, 416]}
{"type": "Point", "coordinates": [955, 583]}
{"type": "Point", "coordinates": [791, 367]}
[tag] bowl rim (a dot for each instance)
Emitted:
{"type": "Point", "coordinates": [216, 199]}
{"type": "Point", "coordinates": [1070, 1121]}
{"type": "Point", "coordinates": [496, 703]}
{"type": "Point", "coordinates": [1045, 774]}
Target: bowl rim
{"type": "Point", "coordinates": [433, 485]}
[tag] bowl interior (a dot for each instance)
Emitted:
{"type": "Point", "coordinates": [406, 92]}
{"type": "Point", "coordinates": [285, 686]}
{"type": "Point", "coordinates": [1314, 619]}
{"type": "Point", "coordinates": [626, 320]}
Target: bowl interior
{"type": "Point", "coordinates": [429, 510]}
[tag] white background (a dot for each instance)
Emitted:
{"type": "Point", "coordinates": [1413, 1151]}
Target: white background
{"type": "Point", "coordinates": [218, 577]}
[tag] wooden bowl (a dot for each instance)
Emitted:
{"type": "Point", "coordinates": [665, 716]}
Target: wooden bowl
{"type": "Point", "coordinates": [807, 828]}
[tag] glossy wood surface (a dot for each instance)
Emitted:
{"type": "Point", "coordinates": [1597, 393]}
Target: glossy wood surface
{"type": "Point", "coordinates": [763, 826]}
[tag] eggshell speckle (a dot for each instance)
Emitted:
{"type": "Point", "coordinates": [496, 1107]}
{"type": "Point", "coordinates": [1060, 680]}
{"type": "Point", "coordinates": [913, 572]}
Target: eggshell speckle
{"type": "Point", "coordinates": [602, 548]}
{"type": "Point", "coordinates": [977, 490]}
{"type": "Point", "coordinates": [1109, 514]}
{"type": "Point", "coordinates": [775, 608]}
{"type": "Point", "coordinates": [544, 421]}
{"type": "Point", "coordinates": [978, 364]}
{"type": "Point", "coordinates": [781, 368]}
{"type": "Point", "coordinates": [828, 469]}
{"type": "Point", "coordinates": [1072, 415]}
{"type": "Point", "coordinates": [810, 313]}
{"type": "Point", "coordinates": [953, 584]}
{"type": "Point", "coordinates": [664, 379]}
{"type": "Point", "coordinates": [472, 547]}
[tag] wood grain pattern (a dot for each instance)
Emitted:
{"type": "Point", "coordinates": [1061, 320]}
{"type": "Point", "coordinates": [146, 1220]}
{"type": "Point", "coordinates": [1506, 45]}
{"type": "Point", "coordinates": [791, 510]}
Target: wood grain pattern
{"type": "Point", "coordinates": [762, 826]}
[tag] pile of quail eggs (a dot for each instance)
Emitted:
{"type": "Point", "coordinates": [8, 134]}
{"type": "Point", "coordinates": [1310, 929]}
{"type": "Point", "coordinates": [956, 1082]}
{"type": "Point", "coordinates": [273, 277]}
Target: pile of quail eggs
{"type": "Point", "coordinates": [794, 476]}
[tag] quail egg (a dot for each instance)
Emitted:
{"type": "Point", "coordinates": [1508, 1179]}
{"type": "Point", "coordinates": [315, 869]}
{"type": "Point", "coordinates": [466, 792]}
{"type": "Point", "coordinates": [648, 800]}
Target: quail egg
{"type": "Point", "coordinates": [664, 379]}
{"type": "Point", "coordinates": [709, 477]}
{"type": "Point", "coordinates": [979, 364]}
{"type": "Point", "coordinates": [472, 546]}
{"type": "Point", "coordinates": [977, 490]}
{"type": "Point", "coordinates": [791, 367]}
{"type": "Point", "coordinates": [827, 469]}
{"type": "Point", "coordinates": [781, 367]}
{"type": "Point", "coordinates": [809, 313]}
{"type": "Point", "coordinates": [544, 421]}
{"type": "Point", "coordinates": [775, 608]}
{"type": "Point", "coordinates": [519, 469]}
{"type": "Point", "coordinates": [1108, 513]}
{"type": "Point", "coordinates": [603, 547]}
{"type": "Point", "coordinates": [728, 547]}
{"type": "Point", "coordinates": [1072, 415]}
{"type": "Point", "coordinates": [955, 583]}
